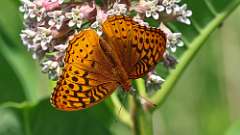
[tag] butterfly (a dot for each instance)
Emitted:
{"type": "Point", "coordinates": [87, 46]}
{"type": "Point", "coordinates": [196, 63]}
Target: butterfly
{"type": "Point", "coordinates": [96, 65]}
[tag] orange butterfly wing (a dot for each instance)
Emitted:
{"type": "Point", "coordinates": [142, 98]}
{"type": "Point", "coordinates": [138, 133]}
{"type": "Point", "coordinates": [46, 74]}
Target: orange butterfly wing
{"type": "Point", "coordinates": [139, 48]}
{"type": "Point", "coordinates": [95, 67]}
{"type": "Point", "coordinates": [86, 79]}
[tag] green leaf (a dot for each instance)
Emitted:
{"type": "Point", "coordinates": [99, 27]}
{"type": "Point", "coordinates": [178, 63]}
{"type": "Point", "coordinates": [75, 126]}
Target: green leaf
{"type": "Point", "coordinates": [10, 85]}
{"type": "Point", "coordinates": [207, 16]}
{"type": "Point", "coordinates": [15, 55]}
{"type": "Point", "coordinates": [43, 119]}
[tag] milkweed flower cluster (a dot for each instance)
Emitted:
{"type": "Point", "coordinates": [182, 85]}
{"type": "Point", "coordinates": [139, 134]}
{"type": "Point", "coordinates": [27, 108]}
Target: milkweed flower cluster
{"type": "Point", "coordinates": [50, 24]}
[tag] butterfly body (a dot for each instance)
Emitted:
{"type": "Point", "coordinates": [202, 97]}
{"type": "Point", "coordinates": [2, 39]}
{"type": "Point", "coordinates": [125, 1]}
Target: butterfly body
{"type": "Point", "coordinates": [95, 66]}
{"type": "Point", "coordinates": [117, 67]}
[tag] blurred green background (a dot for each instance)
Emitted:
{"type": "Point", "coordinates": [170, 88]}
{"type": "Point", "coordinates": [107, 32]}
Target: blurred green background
{"type": "Point", "coordinates": [205, 100]}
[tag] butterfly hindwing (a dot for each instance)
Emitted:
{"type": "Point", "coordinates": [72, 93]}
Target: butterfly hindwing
{"type": "Point", "coordinates": [151, 45]}
{"type": "Point", "coordinates": [70, 96]}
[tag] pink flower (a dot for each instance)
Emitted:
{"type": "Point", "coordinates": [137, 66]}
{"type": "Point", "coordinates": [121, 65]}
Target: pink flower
{"type": "Point", "coordinates": [51, 4]}
{"type": "Point", "coordinates": [100, 18]}
{"type": "Point", "coordinates": [78, 14]}
{"type": "Point", "coordinates": [141, 7]}
{"type": "Point", "coordinates": [101, 15]}
{"type": "Point", "coordinates": [88, 11]}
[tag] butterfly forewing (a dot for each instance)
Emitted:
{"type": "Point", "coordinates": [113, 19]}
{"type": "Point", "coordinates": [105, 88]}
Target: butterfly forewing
{"type": "Point", "coordinates": [86, 79]}
{"type": "Point", "coordinates": [139, 48]}
{"type": "Point", "coordinates": [116, 32]}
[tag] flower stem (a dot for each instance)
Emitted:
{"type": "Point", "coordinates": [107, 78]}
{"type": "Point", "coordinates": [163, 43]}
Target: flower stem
{"type": "Point", "coordinates": [141, 87]}
{"type": "Point", "coordinates": [142, 121]}
{"type": "Point", "coordinates": [124, 116]}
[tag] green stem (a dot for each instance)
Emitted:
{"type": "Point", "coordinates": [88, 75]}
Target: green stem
{"type": "Point", "coordinates": [123, 115]}
{"type": "Point", "coordinates": [141, 87]}
{"type": "Point", "coordinates": [184, 61]}
{"type": "Point", "coordinates": [26, 121]}
{"type": "Point", "coordinates": [142, 121]}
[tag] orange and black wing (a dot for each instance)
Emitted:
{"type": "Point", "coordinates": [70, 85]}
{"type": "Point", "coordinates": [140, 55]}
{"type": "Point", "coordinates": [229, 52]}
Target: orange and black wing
{"type": "Point", "coordinates": [139, 48]}
{"type": "Point", "coordinates": [87, 78]}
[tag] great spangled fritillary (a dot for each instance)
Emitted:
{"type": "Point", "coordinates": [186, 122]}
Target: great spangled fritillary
{"type": "Point", "coordinates": [95, 66]}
